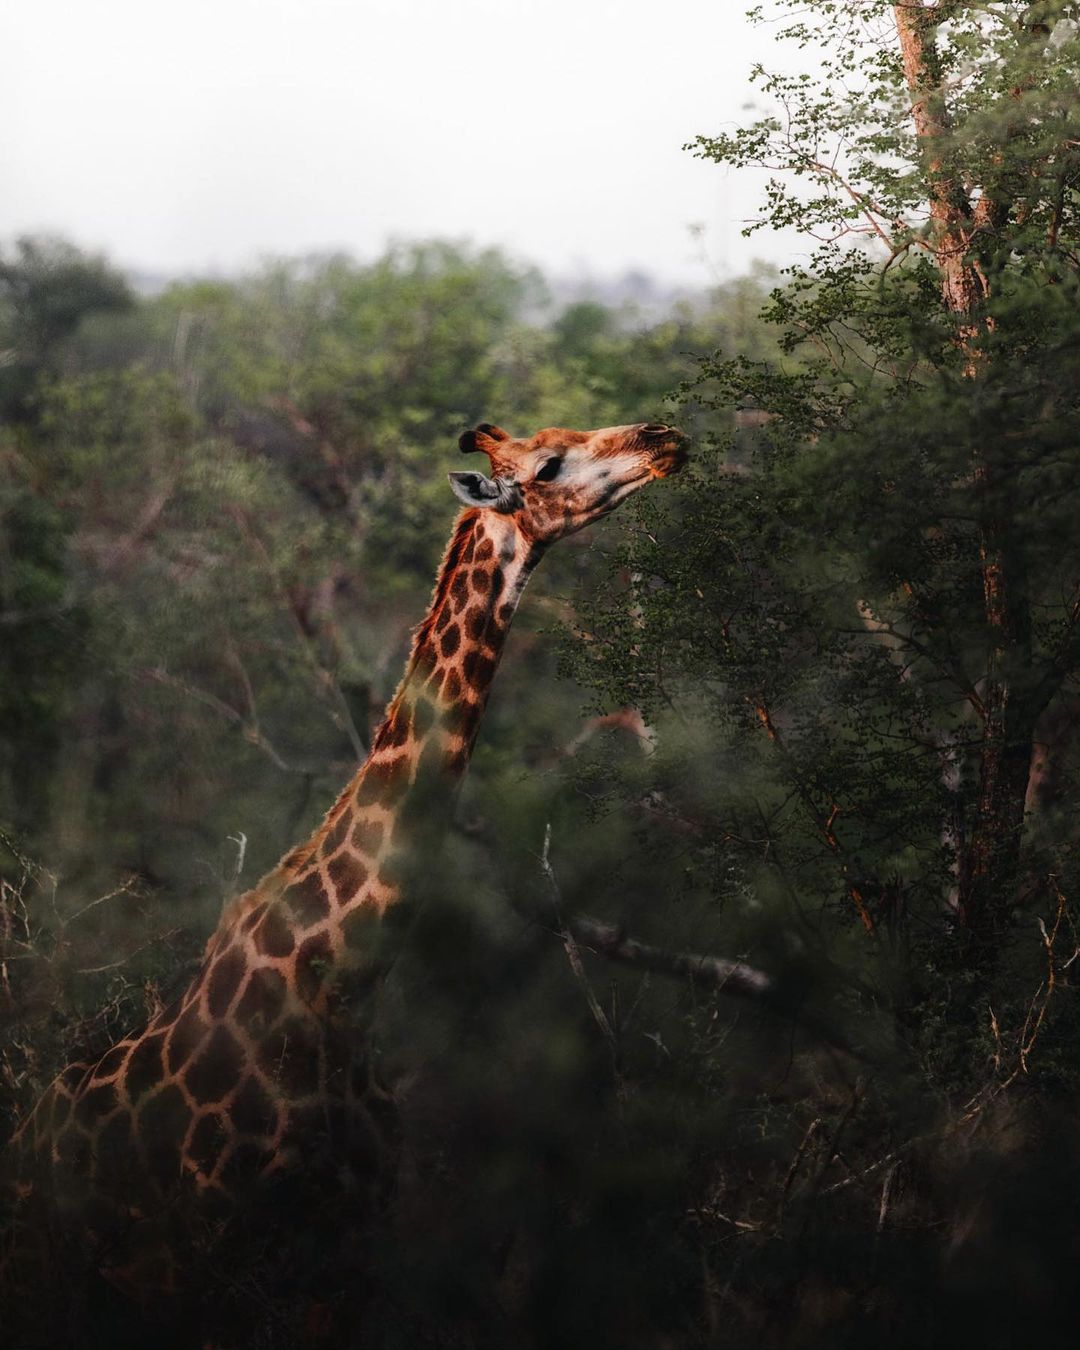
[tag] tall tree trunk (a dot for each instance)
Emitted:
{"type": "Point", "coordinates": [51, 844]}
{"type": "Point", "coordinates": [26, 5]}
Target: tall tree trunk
{"type": "Point", "coordinates": [989, 864]}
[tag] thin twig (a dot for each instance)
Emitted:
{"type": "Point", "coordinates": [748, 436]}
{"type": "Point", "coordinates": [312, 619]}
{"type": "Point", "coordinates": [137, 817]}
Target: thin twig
{"type": "Point", "coordinates": [125, 888]}
{"type": "Point", "coordinates": [796, 1161]}
{"type": "Point", "coordinates": [572, 952]}
{"type": "Point", "coordinates": [113, 965]}
{"type": "Point", "coordinates": [886, 1187]}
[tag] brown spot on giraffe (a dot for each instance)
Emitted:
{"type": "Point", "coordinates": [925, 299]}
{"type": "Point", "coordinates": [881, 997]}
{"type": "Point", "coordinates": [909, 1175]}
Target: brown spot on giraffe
{"type": "Point", "coordinates": [186, 1038]}
{"type": "Point", "coordinates": [347, 875]}
{"type": "Point", "coordinates": [367, 836]}
{"type": "Point", "coordinates": [274, 937]}
{"type": "Point", "coordinates": [113, 1061]}
{"type": "Point", "coordinates": [263, 998]}
{"type": "Point", "coordinates": [340, 829]}
{"type": "Point", "coordinates": [385, 781]}
{"type": "Point", "coordinates": [451, 641]}
{"type": "Point", "coordinates": [223, 984]}
{"type": "Point", "coordinates": [459, 589]}
{"type": "Point", "coordinates": [216, 1070]}
{"type": "Point", "coordinates": [307, 901]}
{"type": "Point", "coordinates": [226, 1084]}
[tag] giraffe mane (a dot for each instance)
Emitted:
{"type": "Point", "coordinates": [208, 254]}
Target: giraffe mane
{"type": "Point", "coordinates": [464, 530]}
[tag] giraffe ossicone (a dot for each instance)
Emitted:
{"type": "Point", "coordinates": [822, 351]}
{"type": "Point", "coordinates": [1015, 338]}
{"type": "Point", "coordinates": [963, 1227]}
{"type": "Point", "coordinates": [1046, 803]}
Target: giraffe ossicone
{"type": "Point", "coordinates": [225, 1085]}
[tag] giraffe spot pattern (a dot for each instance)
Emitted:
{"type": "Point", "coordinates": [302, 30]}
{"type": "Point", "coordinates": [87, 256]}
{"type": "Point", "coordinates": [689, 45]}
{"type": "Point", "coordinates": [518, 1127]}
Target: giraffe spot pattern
{"type": "Point", "coordinates": [74, 1154]}
{"type": "Point", "coordinates": [395, 734]}
{"type": "Point", "coordinates": [207, 1141]}
{"type": "Point", "coordinates": [61, 1109]}
{"type": "Point", "coordinates": [224, 982]}
{"type": "Point", "coordinates": [256, 914]}
{"type": "Point", "coordinates": [163, 1123]}
{"type": "Point", "coordinates": [425, 659]}
{"type": "Point", "coordinates": [475, 623]}
{"type": "Point", "coordinates": [73, 1076]}
{"type": "Point", "coordinates": [459, 589]}
{"type": "Point", "coordinates": [484, 551]}
{"type": "Point", "coordinates": [263, 997]}
{"type": "Point", "coordinates": [312, 964]}
{"type": "Point", "coordinates": [216, 1071]}
{"type": "Point", "coordinates": [113, 1152]}
{"type": "Point", "coordinates": [96, 1104]}
{"type": "Point", "coordinates": [480, 581]}
{"type": "Point", "coordinates": [452, 689]}
{"type": "Point", "coordinates": [423, 716]}
{"type": "Point", "coordinates": [187, 1035]}
{"type": "Point", "coordinates": [384, 781]}
{"type": "Point", "coordinates": [273, 937]}
{"type": "Point", "coordinates": [367, 836]}
{"type": "Point", "coordinates": [393, 870]}
{"type": "Point", "coordinates": [112, 1062]}
{"type": "Point", "coordinates": [347, 875]}
{"type": "Point", "coordinates": [478, 669]}
{"type": "Point", "coordinates": [144, 1067]}
{"type": "Point", "coordinates": [253, 1111]}
{"type": "Point", "coordinates": [307, 900]}
{"type": "Point", "coordinates": [451, 641]}
{"type": "Point", "coordinates": [338, 831]}
{"type": "Point", "coordinates": [360, 928]}
{"type": "Point", "coordinates": [455, 717]}
{"type": "Point", "coordinates": [290, 1057]}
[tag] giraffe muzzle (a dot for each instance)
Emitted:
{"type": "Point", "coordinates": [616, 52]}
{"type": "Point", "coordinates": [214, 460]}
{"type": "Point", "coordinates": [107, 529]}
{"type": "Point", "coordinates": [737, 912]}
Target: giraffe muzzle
{"type": "Point", "coordinates": [668, 446]}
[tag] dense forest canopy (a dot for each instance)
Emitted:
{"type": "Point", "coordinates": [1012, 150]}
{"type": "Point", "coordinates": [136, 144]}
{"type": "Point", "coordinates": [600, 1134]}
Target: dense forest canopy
{"type": "Point", "coordinates": [812, 706]}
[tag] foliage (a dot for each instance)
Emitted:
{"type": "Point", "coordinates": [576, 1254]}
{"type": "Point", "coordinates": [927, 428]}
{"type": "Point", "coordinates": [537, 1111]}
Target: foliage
{"type": "Point", "coordinates": [831, 672]}
{"type": "Point", "coordinates": [856, 624]}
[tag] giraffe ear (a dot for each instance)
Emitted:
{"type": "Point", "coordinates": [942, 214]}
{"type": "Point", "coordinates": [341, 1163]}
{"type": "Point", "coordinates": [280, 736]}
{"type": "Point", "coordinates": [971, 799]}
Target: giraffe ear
{"type": "Point", "coordinates": [474, 489]}
{"type": "Point", "coordinates": [485, 437]}
{"type": "Point", "coordinates": [503, 494]}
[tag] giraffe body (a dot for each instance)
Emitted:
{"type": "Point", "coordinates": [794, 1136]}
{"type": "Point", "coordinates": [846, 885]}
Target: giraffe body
{"type": "Point", "coordinates": [258, 1069]}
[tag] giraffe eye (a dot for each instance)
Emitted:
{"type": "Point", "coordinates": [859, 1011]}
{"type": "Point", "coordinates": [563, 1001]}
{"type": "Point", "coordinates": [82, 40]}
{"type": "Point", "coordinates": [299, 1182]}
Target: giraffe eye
{"type": "Point", "coordinates": [548, 470]}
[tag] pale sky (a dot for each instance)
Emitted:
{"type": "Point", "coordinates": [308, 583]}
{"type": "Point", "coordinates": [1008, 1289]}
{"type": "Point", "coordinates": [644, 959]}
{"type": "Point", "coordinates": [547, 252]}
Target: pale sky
{"type": "Point", "coordinates": [207, 134]}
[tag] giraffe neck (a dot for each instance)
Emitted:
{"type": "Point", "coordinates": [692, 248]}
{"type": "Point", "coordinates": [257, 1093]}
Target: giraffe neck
{"type": "Point", "coordinates": [456, 649]}
{"type": "Point", "coordinates": [316, 907]}
{"type": "Point", "coordinates": [224, 1078]}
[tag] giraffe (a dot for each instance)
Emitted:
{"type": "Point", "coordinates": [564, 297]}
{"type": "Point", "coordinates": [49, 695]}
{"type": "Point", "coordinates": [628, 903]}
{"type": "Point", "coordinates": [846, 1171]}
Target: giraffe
{"type": "Point", "coordinates": [226, 1087]}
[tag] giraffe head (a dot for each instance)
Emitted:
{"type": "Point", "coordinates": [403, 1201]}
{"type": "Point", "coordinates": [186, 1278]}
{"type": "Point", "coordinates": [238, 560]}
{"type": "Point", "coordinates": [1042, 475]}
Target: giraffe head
{"type": "Point", "coordinates": [558, 481]}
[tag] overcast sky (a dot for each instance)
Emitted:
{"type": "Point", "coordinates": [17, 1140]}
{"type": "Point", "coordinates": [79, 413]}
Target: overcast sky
{"type": "Point", "coordinates": [206, 134]}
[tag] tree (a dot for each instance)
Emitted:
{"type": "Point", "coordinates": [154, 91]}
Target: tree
{"type": "Point", "coordinates": [46, 290]}
{"type": "Point", "coordinates": [862, 654]}
{"type": "Point", "coordinates": [251, 479]}
{"type": "Point", "coordinates": [932, 157]}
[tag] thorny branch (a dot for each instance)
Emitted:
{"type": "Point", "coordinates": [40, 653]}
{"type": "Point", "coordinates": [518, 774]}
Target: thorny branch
{"type": "Point", "coordinates": [248, 727]}
{"type": "Point", "coordinates": [723, 975]}
{"type": "Point", "coordinates": [1034, 1018]}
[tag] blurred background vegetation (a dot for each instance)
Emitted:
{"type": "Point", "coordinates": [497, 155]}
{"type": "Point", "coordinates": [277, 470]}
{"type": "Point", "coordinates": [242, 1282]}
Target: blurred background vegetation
{"type": "Point", "coordinates": [811, 705]}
